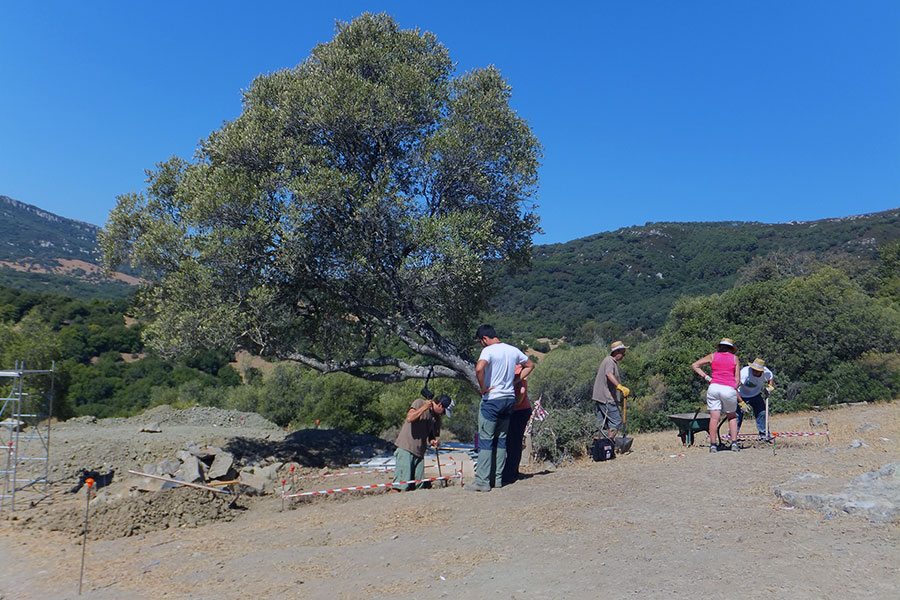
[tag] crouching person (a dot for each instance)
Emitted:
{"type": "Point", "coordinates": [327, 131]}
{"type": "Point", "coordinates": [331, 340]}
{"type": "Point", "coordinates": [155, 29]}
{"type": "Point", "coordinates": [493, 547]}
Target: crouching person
{"type": "Point", "coordinates": [421, 429]}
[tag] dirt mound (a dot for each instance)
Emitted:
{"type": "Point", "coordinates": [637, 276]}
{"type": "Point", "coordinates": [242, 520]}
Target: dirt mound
{"type": "Point", "coordinates": [116, 517]}
{"type": "Point", "coordinates": [202, 416]}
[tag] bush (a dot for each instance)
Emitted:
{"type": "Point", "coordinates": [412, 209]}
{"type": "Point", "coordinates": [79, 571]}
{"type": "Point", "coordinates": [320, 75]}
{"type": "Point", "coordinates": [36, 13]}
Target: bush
{"type": "Point", "coordinates": [565, 377]}
{"type": "Point", "coordinates": [564, 435]}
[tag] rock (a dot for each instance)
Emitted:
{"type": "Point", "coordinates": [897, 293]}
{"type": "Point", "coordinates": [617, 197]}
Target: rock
{"type": "Point", "coordinates": [260, 479]}
{"type": "Point", "coordinates": [874, 495]}
{"type": "Point", "coordinates": [207, 453]}
{"type": "Point", "coordinates": [221, 465]}
{"type": "Point", "coordinates": [151, 428]}
{"type": "Point", "coordinates": [255, 482]}
{"type": "Point", "coordinates": [149, 484]}
{"type": "Point", "coordinates": [167, 467]}
{"type": "Point", "coordinates": [858, 444]}
{"type": "Point", "coordinates": [190, 468]}
{"type": "Point", "coordinates": [867, 427]}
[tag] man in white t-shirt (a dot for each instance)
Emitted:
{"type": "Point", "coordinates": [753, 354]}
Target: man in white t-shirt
{"type": "Point", "coordinates": [496, 371]}
{"type": "Point", "coordinates": [754, 377]}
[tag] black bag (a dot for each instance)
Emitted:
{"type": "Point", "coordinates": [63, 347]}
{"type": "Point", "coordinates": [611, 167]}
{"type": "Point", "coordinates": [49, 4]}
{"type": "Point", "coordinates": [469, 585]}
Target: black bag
{"type": "Point", "coordinates": [603, 449]}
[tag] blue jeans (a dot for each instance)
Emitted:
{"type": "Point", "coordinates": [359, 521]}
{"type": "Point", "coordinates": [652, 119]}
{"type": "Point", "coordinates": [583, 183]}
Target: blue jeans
{"type": "Point", "coordinates": [493, 425]}
{"type": "Point", "coordinates": [759, 413]}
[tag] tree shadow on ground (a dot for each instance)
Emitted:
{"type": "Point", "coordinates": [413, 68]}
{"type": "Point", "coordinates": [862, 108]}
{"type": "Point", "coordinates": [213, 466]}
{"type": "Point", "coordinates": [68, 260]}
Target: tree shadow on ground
{"type": "Point", "coordinates": [314, 448]}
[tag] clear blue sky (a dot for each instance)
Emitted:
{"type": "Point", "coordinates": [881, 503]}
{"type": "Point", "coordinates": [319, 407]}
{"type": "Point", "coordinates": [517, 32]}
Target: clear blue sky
{"type": "Point", "coordinates": [693, 110]}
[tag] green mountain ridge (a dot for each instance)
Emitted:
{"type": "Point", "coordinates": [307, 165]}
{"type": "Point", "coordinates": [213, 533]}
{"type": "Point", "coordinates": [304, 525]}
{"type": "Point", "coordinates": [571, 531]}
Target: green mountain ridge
{"type": "Point", "coordinates": [39, 248]}
{"type": "Point", "coordinates": [30, 232]}
{"type": "Point", "coordinates": [634, 275]}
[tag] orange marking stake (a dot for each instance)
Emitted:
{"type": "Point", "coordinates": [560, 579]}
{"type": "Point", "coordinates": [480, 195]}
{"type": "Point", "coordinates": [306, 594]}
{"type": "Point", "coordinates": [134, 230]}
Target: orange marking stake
{"type": "Point", "coordinates": [87, 509]}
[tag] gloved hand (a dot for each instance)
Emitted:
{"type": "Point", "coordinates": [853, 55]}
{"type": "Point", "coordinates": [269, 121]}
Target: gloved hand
{"type": "Point", "coordinates": [625, 391]}
{"type": "Point", "coordinates": [744, 406]}
{"type": "Point", "coordinates": [769, 388]}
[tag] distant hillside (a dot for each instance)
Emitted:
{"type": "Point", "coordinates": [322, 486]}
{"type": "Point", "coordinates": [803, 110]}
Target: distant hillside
{"type": "Point", "coordinates": [633, 276]}
{"type": "Point", "coordinates": [41, 251]}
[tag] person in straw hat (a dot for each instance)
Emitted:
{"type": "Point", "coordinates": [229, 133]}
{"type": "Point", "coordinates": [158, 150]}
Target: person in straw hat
{"type": "Point", "coordinates": [607, 384]}
{"type": "Point", "coordinates": [754, 377]}
{"type": "Point", "coordinates": [722, 394]}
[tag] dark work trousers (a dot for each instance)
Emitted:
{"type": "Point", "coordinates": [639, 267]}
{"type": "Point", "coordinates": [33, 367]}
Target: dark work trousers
{"type": "Point", "coordinates": [758, 404]}
{"type": "Point", "coordinates": [517, 424]}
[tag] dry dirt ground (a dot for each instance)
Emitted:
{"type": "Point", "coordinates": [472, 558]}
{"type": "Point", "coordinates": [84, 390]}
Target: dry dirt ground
{"type": "Point", "coordinates": [646, 525]}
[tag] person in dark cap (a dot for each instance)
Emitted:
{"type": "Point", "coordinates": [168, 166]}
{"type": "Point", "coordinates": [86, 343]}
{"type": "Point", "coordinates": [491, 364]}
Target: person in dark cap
{"type": "Point", "coordinates": [421, 428]}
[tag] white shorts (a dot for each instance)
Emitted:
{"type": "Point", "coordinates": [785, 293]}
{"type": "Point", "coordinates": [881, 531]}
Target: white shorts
{"type": "Point", "coordinates": [721, 397]}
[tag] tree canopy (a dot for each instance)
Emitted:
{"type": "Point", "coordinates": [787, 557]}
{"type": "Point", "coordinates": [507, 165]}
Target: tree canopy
{"type": "Point", "coordinates": [356, 202]}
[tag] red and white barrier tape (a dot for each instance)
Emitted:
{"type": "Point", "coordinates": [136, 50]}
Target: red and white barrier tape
{"type": "Point", "coordinates": [377, 485]}
{"type": "Point", "coordinates": [382, 470]}
{"type": "Point", "coordinates": [774, 434]}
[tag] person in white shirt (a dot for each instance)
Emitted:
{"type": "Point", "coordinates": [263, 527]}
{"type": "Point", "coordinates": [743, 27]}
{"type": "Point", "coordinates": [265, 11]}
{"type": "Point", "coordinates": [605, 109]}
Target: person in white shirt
{"type": "Point", "coordinates": [754, 377]}
{"type": "Point", "coordinates": [496, 372]}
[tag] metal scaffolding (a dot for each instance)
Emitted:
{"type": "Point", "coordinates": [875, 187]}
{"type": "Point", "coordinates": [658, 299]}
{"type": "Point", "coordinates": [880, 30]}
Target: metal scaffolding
{"type": "Point", "coordinates": [25, 412]}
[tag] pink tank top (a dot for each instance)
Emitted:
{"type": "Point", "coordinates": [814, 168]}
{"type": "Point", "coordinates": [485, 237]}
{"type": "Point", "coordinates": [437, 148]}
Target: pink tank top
{"type": "Point", "coordinates": [723, 368]}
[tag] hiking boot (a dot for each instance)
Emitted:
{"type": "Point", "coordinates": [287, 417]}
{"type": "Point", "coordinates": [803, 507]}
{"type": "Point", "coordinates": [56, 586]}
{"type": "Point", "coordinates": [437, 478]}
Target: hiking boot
{"type": "Point", "coordinates": [735, 447]}
{"type": "Point", "coordinates": [477, 487]}
{"type": "Point", "coordinates": [713, 447]}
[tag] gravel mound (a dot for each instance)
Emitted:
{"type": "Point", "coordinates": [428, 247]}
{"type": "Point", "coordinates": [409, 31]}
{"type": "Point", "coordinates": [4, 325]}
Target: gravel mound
{"type": "Point", "coordinates": [198, 416]}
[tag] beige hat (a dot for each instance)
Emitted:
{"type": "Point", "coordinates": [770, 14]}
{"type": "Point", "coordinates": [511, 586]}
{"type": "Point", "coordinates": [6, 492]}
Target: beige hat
{"type": "Point", "coordinates": [617, 345]}
{"type": "Point", "coordinates": [727, 342]}
{"type": "Point", "coordinates": [758, 364]}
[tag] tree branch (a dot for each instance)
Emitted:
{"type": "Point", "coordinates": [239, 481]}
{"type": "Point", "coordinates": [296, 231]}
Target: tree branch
{"type": "Point", "coordinates": [402, 370]}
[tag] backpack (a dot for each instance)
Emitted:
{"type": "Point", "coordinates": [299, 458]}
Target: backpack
{"type": "Point", "coordinates": [603, 449]}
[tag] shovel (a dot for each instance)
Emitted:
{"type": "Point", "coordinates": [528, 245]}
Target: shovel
{"type": "Point", "coordinates": [623, 444]}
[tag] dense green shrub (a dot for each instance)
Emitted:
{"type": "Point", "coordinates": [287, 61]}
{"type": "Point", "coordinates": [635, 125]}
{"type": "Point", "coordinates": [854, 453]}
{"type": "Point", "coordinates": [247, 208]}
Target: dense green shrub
{"type": "Point", "coordinates": [564, 435]}
{"type": "Point", "coordinates": [819, 334]}
{"type": "Point", "coordinates": [565, 377]}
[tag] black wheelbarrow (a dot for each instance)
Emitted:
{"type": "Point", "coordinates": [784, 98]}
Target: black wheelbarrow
{"type": "Point", "coordinates": [689, 424]}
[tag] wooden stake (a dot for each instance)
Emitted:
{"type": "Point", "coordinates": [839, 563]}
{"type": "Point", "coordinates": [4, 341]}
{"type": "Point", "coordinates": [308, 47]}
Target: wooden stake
{"type": "Point", "coordinates": [87, 510]}
{"type": "Point", "coordinates": [175, 481]}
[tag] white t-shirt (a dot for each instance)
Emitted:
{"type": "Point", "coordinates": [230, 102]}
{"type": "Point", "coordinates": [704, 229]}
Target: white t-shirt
{"type": "Point", "coordinates": [500, 370]}
{"type": "Point", "coordinates": [751, 383]}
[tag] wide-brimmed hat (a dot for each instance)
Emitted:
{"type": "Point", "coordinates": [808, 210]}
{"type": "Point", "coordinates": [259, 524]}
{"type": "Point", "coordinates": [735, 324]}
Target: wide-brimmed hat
{"type": "Point", "coordinates": [617, 345]}
{"type": "Point", "coordinates": [727, 342]}
{"type": "Point", "coordinates": [758, 364]}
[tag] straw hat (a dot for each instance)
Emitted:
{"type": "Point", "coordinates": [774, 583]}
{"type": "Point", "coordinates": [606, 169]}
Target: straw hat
{"type": "Point", "coordinates": [758, 364]}
{"type": "Point", "coordinates": [617, 345]}
{"type": "Point", "coordinates": [727, 342]}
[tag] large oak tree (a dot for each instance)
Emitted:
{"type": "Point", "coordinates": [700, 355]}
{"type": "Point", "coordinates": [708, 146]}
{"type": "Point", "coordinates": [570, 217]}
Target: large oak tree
{"type": "Point", "coordinates": [361, 199]}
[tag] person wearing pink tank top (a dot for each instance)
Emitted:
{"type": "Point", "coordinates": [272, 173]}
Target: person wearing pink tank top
{"type": "Point", "coordinates": [722, 394]}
